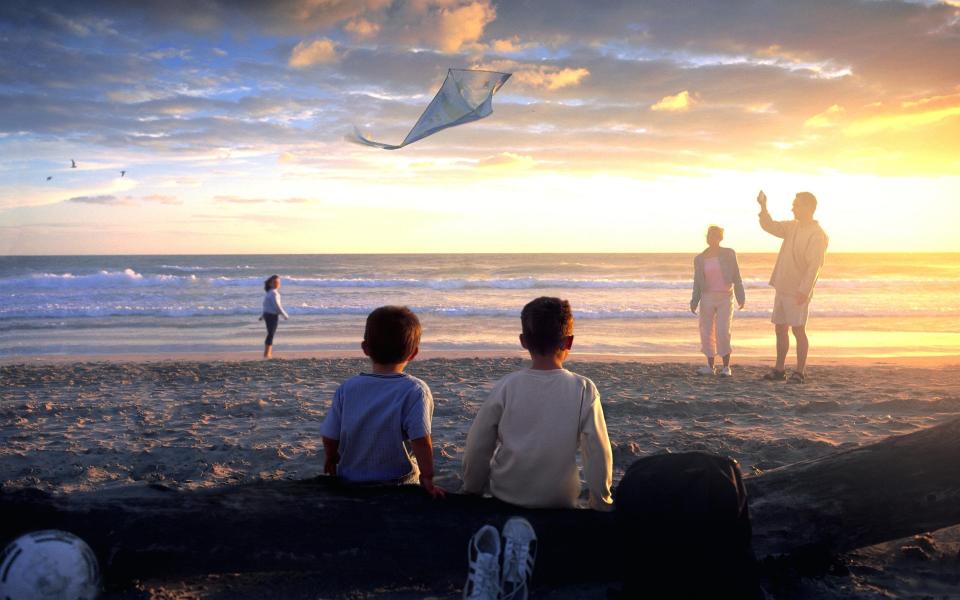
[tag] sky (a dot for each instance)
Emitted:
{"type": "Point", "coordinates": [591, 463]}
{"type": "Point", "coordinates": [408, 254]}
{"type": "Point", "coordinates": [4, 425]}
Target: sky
{"type": "Point", "coordinates": [626, 126]}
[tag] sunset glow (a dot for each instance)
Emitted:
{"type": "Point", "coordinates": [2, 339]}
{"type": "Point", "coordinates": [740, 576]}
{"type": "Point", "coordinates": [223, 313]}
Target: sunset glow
{"type": "Point", "coordinates": [623, 130]}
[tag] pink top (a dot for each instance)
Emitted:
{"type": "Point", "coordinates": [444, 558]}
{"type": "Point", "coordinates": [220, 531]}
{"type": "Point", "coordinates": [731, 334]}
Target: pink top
{"type": "Point", "coordinates": [714, 276]}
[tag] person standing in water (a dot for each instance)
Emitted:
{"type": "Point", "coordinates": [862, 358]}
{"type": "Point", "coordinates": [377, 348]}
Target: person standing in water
{"type": "Point", "coordinates": [272, 311]}
{"type": "Point", "coordinates": [794, 276]}
{"type": "Point", "coordinates": [716, 280]}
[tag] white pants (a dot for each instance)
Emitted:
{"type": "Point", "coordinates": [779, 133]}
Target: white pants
{"type": "Point", "coordinates": [716, 313]}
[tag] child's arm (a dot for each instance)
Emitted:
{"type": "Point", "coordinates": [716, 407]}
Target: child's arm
{"type": "Point", "coordinates": [423, 450]}
{"type": "Point", "coordinates": [481, 442]}
{"type": "Point", "coordinates": [330, 433]}
{"type": "Point", "coordinates": [597, 456]}
{"type": "Point", "coordinates": [331, 449]}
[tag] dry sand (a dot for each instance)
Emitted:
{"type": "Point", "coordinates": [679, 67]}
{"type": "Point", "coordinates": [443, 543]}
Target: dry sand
{"type": "Point", "coordinates": [71, 426]}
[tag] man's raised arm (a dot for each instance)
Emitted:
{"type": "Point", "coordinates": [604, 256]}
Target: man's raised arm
{"type": "Point", "coordinates": [777, 228]}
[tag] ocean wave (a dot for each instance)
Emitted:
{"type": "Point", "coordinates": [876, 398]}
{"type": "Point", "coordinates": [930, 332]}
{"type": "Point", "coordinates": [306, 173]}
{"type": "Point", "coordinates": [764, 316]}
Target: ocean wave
{"type": "Point", "coordinates": [130, 277]}
{"type": "Point", "coordinates": [197, 269]}
{"type": "Point", "coordinates": [93, 280]}
{"type": "Point", "coordinates": [53, 311]}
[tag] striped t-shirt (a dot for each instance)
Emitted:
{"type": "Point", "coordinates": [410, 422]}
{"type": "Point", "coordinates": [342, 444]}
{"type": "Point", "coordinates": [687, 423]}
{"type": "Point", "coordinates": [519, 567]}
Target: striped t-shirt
{"type": "Point", "coordinates": [372, 415]}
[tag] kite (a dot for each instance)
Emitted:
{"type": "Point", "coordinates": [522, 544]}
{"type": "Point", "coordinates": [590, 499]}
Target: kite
{"type": "Point", "coordinates": [465, 96]}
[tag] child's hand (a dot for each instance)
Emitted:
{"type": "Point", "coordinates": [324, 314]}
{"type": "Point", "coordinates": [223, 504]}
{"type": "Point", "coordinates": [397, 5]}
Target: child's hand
{"type": "Point", "coordinates": [260, 318]}
{"type": "Point", "coordinates": [330, 467]}
{"type": "Point", "coordinates": [435, 492]}
{"type": "Point", "coordinates": [693, 308]}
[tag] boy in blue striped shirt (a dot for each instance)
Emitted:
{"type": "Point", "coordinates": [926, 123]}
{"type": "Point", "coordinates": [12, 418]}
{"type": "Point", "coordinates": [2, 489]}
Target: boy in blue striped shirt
{"type": "Point", "coordinates": [375, 415]}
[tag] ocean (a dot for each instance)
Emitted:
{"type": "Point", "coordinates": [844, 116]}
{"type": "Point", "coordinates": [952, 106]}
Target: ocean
{"type": "Point", "coordinates": [873, 305]}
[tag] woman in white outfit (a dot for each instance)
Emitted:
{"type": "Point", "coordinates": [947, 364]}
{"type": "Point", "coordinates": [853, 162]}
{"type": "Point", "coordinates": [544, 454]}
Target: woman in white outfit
{"type": "Point", "coordinates": [716, 280]}
{"type": "Point", "coordinates": [272, 311]}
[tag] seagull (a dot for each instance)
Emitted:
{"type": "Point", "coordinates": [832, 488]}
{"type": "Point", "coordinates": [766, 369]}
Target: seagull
{"type": "Point", "coordinates": [49, 177]}
{"type": "Point", "coordinates": [122, 173]}
{"type": "Point", "coordinates": [73, 164]}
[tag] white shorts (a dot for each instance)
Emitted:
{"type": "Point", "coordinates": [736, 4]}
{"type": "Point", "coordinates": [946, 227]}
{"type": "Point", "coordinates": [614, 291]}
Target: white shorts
{"type": "Point", "coordinates": [786, 310]}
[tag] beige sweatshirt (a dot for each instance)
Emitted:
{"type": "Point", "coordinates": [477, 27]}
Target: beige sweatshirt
{"type": "Point", "coordinates": [801, 254]}
{"type": "Point", "coordinates": [523, 444]}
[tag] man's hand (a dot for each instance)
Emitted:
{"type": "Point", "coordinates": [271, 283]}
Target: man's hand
{"type": "Point", "coordinates": [435, 492]}
{"type": "Point", "coordinates": [802, 298]}
{"type": "Point", "coordinates": [762, 200]}
{"type": "Point", "coordinates": [260, 318]}
{"type": "Point", "coordinates": [693, 307]}
{"type": "Point", "coordinates": [286, 318]}
{"type": "Point", "coordinates": [742, 304]}
{"type": "Point", "coordinates": [330, 466]}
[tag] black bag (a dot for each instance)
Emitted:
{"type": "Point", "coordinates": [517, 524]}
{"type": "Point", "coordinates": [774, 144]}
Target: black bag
{"type": "Point", "coordinates": [684, 529]}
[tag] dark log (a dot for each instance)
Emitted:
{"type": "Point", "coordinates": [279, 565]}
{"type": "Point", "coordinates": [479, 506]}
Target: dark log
{"type": "Point", "coordinates": [374, 536]}
{"type": "Point", "coordinates": [894, 488]}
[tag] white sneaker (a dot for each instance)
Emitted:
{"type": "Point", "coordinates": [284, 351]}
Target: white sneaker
{"type": "Point", "coordinates": [726, 372]}
{"type": "Point", "coordinates": [519, 554]}
{"type": "Point", "coordinates": [706, 370]}
{"type": "Point", "coordinates": [483, 556]}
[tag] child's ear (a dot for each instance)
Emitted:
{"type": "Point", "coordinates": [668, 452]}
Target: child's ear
{"type": "Point", "coordinates": [363, 346]}
{"type": "Point", "coordinates": [416, 351]}
{"type": "Point", "coordinates": [523, 342]}
{"type": "Point", "coordinates": [568, 342]}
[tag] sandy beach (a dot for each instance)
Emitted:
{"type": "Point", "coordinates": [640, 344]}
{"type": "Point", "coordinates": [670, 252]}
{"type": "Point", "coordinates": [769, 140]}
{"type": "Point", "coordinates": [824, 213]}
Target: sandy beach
{"type": "Point", "coordinates": [88, 426]}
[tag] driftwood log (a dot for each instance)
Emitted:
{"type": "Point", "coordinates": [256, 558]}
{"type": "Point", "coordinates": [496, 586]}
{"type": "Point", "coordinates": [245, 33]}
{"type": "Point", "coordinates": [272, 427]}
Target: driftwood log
{"type": "Point", "coordinates": [371, 536]}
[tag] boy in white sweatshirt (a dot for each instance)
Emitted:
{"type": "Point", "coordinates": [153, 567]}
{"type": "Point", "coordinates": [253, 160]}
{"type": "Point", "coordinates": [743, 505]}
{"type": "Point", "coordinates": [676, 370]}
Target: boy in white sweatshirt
{"type": "Point", "coordinates": [522, 447]}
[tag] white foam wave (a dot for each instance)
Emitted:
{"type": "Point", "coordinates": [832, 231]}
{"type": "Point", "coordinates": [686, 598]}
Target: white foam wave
{"type": "Point", "coordinates": [130, 277]}
{"type": "Point", "coordinates": [94, 280]}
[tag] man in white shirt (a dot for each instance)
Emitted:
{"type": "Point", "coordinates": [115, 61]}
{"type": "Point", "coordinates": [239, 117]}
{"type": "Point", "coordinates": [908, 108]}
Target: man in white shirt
{"type": "Point", "coordinates": [794, 277]}
{"type": "Point", "coordinates": [522, 446]}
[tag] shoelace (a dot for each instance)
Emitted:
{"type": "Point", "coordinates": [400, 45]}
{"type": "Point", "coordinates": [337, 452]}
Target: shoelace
{"type": "Point", "coordinates": [483, 576]}
{"type": "Point", "coordinates": [516, 556]}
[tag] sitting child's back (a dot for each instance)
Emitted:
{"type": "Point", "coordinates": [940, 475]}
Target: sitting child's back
{"type": "Point", "coordinates": [541, 417]}
{"type": "Point", "coordinates": [522, 446]}
{"type": "Point", "coordinates": [375, 415]}
{"type": "Point", "coordinates": [372, 415]}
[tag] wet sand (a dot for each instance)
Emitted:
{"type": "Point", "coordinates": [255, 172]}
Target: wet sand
{"type": "Point", "coordinates": [88, 426]}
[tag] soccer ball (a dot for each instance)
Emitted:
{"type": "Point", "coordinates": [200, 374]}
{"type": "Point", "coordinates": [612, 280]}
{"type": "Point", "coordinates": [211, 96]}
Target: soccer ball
{"type": "Point", "coordinates": [50, 565]}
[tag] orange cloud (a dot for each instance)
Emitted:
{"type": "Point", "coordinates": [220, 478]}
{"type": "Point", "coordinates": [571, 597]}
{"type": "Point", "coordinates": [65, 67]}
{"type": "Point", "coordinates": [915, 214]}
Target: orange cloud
{"type": "Point", "coordinates": [458, 26]}
{"type": "Point", "coordinates": [677, 103]}
{"type": "Point", "coordinates": [539, 76]}
{"type": "Point", "coordinates": [306, 54]}
{"type": "Point", "coordinates": [361, 28]}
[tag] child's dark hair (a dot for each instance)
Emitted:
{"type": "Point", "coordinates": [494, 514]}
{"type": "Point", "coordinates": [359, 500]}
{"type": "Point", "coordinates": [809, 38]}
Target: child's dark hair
{"type": "Point", "coordinates": [268, 284]}
{"type": "Point", "coordinates": [546, 322]}
{"type": "Point", "coordinates": [392, 334]}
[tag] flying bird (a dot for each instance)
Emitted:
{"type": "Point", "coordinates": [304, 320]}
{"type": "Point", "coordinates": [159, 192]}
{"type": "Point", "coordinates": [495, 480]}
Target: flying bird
{"type": "Point", "coordinates": [73, 164]}
{"type": "Point", "coordinates": [49, 177]}
{"type": "Point", "coordinates": [122, 173]}
{"type": "Point", "coordinates": [466, 95]}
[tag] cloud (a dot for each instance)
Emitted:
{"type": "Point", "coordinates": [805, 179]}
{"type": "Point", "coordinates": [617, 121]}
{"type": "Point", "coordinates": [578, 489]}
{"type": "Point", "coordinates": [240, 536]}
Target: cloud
{"type": "Point", "coordinates": [101, 199]}
{"type": "Point", "coordinates": [243, 200]}
{"type": "Point", "coordinates": [552, 79]}
{"type": "Point", "coordinates": [901, 122]}
{"type": "Point", "coordinates": [827, 118]}
{"type": "Point", "coordinates": [161, 199]}
{"type": "Point", "coordinates": [679, 102]}
{"type": "Point", "coordinates": [458, 26]}
{"type": "Point", "coordinates": [307, 54]}
{"type": "Point", "coordinates": [548, 77]}
{"type": "Point", "coordinates": [114, 200]}
{"type": "Point", "coordinates": [507, 161]}
{"type": "Point", "coordinates": [361, 28]}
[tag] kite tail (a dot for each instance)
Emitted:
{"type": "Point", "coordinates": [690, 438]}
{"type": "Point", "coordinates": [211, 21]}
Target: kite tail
{"type": "Point", "coordinates": [357, 138]}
